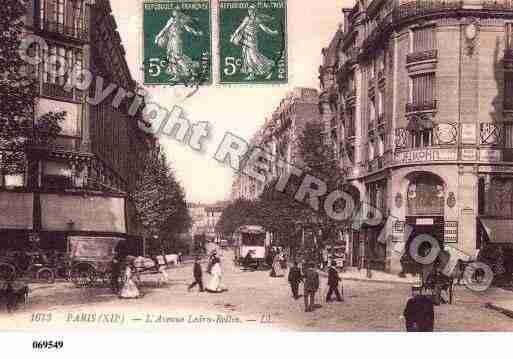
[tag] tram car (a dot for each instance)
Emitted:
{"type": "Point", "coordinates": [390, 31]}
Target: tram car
{"type": "Point", "coordinates": [251, 246]}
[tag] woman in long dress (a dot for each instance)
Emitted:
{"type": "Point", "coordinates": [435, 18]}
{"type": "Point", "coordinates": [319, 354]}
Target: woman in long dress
{"type": "Point", "coordinates": [254, 62]}
{"type": "Point", "coordinates": [214, 285]}
{"type": "Point", "coordinates": [170, 38]}
{"type": "Point", "coordinates": [129, 289]}
{"type": "Point", "coordinates": [277, 265]}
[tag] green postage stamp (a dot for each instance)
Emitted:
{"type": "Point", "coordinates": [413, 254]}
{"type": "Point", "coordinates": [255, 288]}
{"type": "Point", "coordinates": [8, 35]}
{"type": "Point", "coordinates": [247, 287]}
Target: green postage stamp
{"type": "Point", "coordinates": [177, 42]}
{"type": "Point", "coordinates": [253, 41]}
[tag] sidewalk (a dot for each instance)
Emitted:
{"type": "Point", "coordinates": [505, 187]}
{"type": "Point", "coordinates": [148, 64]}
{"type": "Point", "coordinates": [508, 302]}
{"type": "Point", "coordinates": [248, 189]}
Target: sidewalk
{"type": "Point", "coordinates": [352, 273]}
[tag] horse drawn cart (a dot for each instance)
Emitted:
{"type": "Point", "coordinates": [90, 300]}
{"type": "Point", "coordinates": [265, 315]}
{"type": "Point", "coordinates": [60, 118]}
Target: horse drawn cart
{"type": "Point", "coordinates": [32, 265]}
{"type": "Point", "coordinates": [91, 260]}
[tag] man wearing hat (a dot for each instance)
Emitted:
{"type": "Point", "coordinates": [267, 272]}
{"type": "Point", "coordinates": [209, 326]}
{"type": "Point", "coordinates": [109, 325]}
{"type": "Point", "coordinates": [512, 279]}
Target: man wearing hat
{"type": "Point", "coordinates": [333, 280]}
{"type": "Point", "coordinates": [311, 286]}
{"type": "Point", "coordinates": [198, 275]}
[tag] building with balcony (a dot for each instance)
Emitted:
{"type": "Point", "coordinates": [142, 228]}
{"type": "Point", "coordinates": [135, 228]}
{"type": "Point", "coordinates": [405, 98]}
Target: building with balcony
{"type": "Point", "coordinates": [279, 137]}
{"type": "Point", "coordinates": [79, 184]}
{"type": "Point", "coordinates": [416, 98]}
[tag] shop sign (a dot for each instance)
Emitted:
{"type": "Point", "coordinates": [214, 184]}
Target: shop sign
{"type": "Point", "coordinates": [426, 155]}
{"type": "Point", "coordinates": [468, 133]}
{"type": "Point", "coordinates": [495, 169]}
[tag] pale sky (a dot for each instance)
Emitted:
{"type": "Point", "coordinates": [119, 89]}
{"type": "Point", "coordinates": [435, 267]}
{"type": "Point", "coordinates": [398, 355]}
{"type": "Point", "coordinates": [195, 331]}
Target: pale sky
{"type": "Point", "coordinates": [238, 109]}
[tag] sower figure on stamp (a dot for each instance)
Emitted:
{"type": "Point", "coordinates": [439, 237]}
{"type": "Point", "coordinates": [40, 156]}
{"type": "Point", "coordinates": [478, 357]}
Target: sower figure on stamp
{"type": "Point", "coordinates": [254, 62]}
{"type": "Point", "coordinates": [198, 275]}
{"type": "Point", "coordinates": [295, 278]}
{"type": "Point", "coordinates": [333, 280]}
{"type": "Point", "coordinates": [170, 38]}
{"type": "Point", "coordinates": [311, 286]}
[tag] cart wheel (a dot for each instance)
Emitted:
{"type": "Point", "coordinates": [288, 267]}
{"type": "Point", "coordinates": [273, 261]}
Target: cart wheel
{"type": "Point", "coordinates": [7, 271]}
{"type": "Point", "coordinates": [45, 275]}
{"type": "Point", "coordinates": [83, 276]}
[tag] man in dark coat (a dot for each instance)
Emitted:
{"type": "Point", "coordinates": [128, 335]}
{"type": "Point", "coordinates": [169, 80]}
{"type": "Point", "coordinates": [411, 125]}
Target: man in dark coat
{"type": "Point", "coordinates": [295, 278]}
{"type": "Point", "coordinates": [333, 280]}
{"type": "Point", "coordinates": [419, 314]}
{"type": "Point", "coordinates": [198, 276]}
{"type": "Point", "coordinates": [310, 287]}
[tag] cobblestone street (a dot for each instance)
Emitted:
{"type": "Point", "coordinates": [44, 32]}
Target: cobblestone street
{"type": "Point", "coordinates": [254, 301]}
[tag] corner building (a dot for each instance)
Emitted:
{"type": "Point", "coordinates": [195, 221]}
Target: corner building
{"type": "Point", "coordinates": [79, 184]}
{"type": "Point", "coordinates": [416, 99]}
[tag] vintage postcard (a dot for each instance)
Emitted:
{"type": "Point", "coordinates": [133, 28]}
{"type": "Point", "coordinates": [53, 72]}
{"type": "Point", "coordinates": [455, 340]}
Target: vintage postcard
{"type": "Point", "coordinates": [360, 178]}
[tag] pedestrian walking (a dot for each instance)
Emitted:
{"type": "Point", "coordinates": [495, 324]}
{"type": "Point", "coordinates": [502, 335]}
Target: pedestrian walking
{"type": "Point", "coordinates": [333, 280]}
{"type": "Point", "coordinates": [198, 275]}
{"type": "Point", "coordinates": [211, 261]}
{"type": "Point", "coordinates": [129, 289]}
{"type": "Point", "coordinates": [216, 275]}
{"type": "Point", "coordinates": [277, 270]}
{"type": "Point", "coordinates": [419, 314]}
{"type": "Point", "coordinates": [310, 287]}
{"type": "Point", "coordinates": [295, 278]}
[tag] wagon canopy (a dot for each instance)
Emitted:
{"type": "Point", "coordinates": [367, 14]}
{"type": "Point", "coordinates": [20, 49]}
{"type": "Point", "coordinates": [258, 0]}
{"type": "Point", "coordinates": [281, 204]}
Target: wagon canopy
{"type": "Point", "coordinates": [93, 248]}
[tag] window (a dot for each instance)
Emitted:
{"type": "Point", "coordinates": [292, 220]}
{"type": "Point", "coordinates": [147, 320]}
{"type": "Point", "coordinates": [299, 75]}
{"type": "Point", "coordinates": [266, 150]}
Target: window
{"type": "Point", "coordinates": [372, 113]}
{"type": "Point", "coordinates": [63, 16]}
{"type": "Point", "coordinates": [381, 144]}
{"type": "Point", "coordinates": [380, 102]}
{"type": "Point", "coordinates": [508, 90]}
{"type": "Point", "coordinates": [423, 90]}
{"type": "Point", "coordinates": [508, 33]}
{"type": "Point", "coordinates": [54, 78]}
{"type": "Point", "coordinates": [350, 123]}
{"type": "Point", "coordinates": [424, 39]}
{"type": "Point", "coordinates": [372, 151]}
{"type": "Point", "coordinates": [350, 154]}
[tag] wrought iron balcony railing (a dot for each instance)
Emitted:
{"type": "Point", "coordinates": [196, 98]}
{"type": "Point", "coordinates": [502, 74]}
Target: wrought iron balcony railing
{"type": "Point", "coordinates": [421, 106]}
{"type": "Point", "coordinates": [424, 7]}
{"type": "Point", "coordinates": [57, 91]}
{"type": "Point", "coordinates": [66, 31]}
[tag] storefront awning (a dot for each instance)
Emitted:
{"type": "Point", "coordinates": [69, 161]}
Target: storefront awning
{"type": "Point", "coordinates": [498, 230]}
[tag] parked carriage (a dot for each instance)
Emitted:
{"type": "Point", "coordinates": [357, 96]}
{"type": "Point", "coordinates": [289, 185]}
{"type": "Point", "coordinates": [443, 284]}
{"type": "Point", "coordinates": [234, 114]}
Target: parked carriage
{"type": "Point", "coordinates": [91, 260]}
{"type": "Point", "coordinates": [33, 265]}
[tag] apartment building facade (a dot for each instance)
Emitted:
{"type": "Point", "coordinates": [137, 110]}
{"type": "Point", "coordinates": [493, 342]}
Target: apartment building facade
{"type": "Point", "coordinates": [279, 137]}
{"type": "Point", "coordinates": [416, 98]}
{"type": "Point", "coordinates": [78, 185]}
